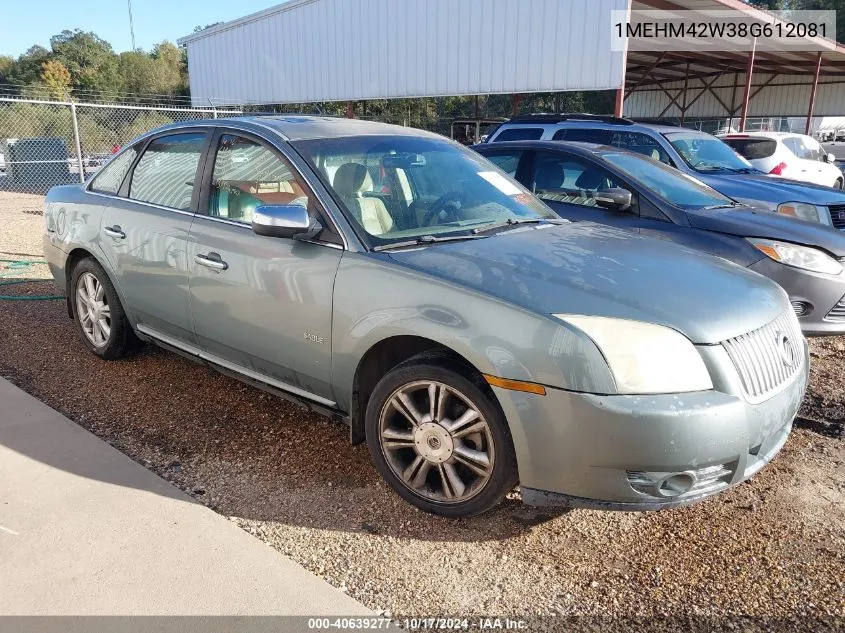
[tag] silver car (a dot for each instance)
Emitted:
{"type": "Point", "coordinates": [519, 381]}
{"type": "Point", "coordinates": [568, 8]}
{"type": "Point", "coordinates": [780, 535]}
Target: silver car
{"type": "Point", "coordinates": [394, 280]}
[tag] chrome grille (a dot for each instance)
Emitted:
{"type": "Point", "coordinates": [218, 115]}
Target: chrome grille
{"type": "Point", "coordinates": [837, 215]}
{"type": "Point", "coordinates": [837, 312]}
{"type": "Point", "coordinates": [767, 357]}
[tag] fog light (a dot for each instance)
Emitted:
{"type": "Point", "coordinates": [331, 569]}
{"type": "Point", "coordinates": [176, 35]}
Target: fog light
{"type": "Point", "coordinates": [676, 484]}
{"type": "Point", "coordinates": [667, 485]}
{"type": "Point", "coordinates": [802, 308]}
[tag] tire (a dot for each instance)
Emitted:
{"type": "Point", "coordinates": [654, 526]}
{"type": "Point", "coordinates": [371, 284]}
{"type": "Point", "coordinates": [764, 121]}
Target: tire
{"type": "Point", "coordinates": [109, 334]}
{"type": "Point", "coordinates": [838, 184]}
{"type": "Point", "coordinates": [426, 461]}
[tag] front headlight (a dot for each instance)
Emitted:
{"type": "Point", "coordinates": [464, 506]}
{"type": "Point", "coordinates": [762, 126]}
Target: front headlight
{"type": "Point", "coordinates": [802, 257]}
{"type": "Point", "coordinates": [644, 357]}
{"type": "Point", "coordinates": [801, 210]}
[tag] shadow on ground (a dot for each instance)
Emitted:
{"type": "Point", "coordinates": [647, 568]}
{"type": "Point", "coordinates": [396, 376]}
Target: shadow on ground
{"type": "Point", "coordinates": [234, 448]}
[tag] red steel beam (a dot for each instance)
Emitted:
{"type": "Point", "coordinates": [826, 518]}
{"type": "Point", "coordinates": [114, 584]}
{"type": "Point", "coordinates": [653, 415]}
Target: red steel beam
{"type": "Point", "coordinates": [749, 69]}
{"type": "Point", "coordinates": [813, 95]}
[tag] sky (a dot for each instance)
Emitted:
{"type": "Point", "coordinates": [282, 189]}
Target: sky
{"type": "Point", "coordinates": [24, 23]}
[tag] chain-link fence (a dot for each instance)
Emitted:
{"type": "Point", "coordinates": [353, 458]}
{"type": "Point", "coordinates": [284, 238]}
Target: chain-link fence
{"type": "Point", "coordinates": [46, 143]}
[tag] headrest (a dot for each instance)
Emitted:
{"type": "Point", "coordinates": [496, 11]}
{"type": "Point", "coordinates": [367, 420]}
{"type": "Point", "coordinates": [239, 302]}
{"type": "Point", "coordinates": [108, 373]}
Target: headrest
{"type": "Point", "coordinates": [350, 179]}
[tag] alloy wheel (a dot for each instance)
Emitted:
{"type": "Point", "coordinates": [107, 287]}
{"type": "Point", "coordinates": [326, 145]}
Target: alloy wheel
{"type": "Point", "coordinates": [92, 309]}
{"type": "Point", "coordinates": [436, 441]}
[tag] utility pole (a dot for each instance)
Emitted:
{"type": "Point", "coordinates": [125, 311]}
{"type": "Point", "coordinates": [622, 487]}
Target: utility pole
{"type": "Point", "coordinates": [131, 24]}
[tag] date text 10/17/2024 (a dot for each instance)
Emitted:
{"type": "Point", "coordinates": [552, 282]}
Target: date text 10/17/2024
{"type": "Point", "coordinates": [419, 624]}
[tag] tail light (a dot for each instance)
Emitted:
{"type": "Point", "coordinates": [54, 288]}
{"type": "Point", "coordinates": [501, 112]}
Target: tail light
{"type": "Point", "coordinates": [777, 170]}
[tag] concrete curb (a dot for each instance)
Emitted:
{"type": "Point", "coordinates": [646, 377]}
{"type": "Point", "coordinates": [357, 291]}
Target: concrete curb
{"type": "Point", "coordinates": [84, 530]}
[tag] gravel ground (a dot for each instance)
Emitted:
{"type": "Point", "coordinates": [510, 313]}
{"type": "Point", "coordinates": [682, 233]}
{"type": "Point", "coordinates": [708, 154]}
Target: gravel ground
{"type": "Point", "coordinates": [773, 548]}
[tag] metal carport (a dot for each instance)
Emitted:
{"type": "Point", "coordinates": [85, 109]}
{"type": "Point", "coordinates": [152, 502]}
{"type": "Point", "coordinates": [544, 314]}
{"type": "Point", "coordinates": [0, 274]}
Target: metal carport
{"type": "Point", "coordinates": [761, 82]}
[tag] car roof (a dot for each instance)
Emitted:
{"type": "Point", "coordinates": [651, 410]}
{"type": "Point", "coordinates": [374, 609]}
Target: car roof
{"type": "Point", "coordinates": [295, 127]}
{"type": "Point", "coordinates": [760, 134]}
{"type": "Point", "coordinates": [592, 120]}
{"type": "Point", "coordinates": [576, 147]}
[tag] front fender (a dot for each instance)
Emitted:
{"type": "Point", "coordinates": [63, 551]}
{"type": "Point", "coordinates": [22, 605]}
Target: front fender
{"type": "Point", "coordinates": [376, 299]}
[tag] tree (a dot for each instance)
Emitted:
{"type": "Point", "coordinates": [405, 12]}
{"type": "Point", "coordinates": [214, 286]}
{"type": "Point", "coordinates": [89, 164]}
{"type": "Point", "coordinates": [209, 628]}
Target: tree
{"type": "Point", "coordinates": [89, 58]}
{"type": "Point", "coordinates": [56, 76]}
{"type": "Point", "coordinates": [7, 63]}
{"type": "Point", "coordinates": [27, 68]}
{"type": "Point", "coordinates": [809, 5]}
{"type": "Point", "coordinates": [171, 69]}
{"type": "Point", "coordinates": [137, 72]}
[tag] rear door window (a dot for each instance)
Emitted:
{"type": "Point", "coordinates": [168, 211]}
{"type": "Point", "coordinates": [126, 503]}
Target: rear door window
{"type": "Point", "coordinates": [753, 148]}
{"type": "Point", "coordinates": [641, 144]}
{"type": "Point", "coordinates": [520, 134]}
{"type": "Point", "coordinates": [583, 135]}
{"type": "Point", "coordinates": [167, 171]}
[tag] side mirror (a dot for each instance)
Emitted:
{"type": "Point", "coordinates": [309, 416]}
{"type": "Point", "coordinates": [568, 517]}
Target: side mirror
{"type": "Point", "coordinates": [614, 198]}
{"type": "Point", "coordinates": [830, 158]}
{"type": "Point", "coordinates": [290, 221]}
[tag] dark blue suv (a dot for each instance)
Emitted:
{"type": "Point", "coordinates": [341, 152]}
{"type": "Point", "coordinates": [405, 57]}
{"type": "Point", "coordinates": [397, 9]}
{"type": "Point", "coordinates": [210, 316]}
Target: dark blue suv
{"type": "Point", "coordinates": [607, 185]}
{"type": "Point", "coordinates": [695, 153]}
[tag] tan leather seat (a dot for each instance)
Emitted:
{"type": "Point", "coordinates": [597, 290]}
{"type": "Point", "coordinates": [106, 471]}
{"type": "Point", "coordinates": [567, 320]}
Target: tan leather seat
{"type": "Point", "coordinates": [350, 181]}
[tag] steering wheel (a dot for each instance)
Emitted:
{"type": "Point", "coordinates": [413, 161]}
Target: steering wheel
{"type": "Point", "coordinates": [445, 204]}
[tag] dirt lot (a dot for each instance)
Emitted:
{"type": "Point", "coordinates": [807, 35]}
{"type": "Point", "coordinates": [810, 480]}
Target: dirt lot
{"type": "Point", "coordinates": [772, 548]}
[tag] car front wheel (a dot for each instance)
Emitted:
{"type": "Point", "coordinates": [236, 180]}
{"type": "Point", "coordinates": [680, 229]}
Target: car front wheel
{"type": "Point", "coordinates": [439, 440]}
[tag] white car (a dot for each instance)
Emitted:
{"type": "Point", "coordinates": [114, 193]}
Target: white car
{"type": "Point", "coordinates": [788, 155]}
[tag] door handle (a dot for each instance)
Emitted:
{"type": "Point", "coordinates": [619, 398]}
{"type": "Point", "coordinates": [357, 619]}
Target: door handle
{"type": "Point", "coordinates": [212, 260]}
{"type": "Point", "coordinates": [115, 231]}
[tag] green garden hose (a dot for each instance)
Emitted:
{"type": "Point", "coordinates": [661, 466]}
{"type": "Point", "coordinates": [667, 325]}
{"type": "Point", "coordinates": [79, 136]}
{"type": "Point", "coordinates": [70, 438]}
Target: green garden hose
{"type": "Point", "coordinates": [13, 267]}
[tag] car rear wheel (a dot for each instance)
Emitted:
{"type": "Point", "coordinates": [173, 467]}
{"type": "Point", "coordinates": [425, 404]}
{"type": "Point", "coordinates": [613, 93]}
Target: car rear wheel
{"type": "Point", "coordinates": [97, 313]}
{"type": "Point", "coordinates": [439, 440]}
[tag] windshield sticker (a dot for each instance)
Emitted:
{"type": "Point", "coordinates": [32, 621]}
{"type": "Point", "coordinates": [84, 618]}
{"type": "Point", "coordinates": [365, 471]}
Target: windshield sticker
{"type": "Point", "coordinates": [501, 183]}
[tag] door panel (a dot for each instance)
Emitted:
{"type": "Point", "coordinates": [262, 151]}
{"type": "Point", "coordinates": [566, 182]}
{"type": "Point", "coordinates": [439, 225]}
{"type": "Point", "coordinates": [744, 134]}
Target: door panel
{"type": "Point", "coordinates": [261, 303]}
{"type": "Point", "coordinates": [150, 263]}
{"type": "Point", "coordinates": [270, 310]}
{"type": "Point", "coordinates": [145, 230]}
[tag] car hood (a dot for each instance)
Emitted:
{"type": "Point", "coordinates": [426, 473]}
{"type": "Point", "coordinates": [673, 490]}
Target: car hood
{"type": "Point", "coordinates": [593, 269]}
{"type": "Point", "coordinates": [768, 191]}
{"type": "Point", "coordinates": [756, 223]}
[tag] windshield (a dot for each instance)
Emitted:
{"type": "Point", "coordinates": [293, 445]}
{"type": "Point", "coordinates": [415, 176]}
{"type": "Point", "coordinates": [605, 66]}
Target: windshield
{"type": "Point", "coordinates": [707, 153]}
{"type": "Point", "coordinates": [399, 188]}
{"type": "Point", "coordinates": [675, 187]}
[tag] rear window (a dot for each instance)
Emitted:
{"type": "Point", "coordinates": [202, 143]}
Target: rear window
{"type": "Point", "coordinates": [752, 148]}
{"type": "Point", "coordinates": [520, 134]}
{"type": "Point", "coordinates": [583, 135]}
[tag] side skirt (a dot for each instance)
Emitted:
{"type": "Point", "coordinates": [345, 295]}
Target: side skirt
{"type": "Point", "coordinates": [196, 356]}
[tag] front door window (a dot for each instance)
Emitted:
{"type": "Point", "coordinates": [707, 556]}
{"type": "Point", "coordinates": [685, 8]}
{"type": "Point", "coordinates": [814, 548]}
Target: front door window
{"type": "Point", "coordinates": [247, 175]}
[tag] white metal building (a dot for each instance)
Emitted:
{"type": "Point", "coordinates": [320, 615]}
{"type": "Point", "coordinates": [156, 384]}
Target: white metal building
{"type": "Point", "coordinates": [341, 50]}
{"type": "Point", "coordinates": [348, 50]}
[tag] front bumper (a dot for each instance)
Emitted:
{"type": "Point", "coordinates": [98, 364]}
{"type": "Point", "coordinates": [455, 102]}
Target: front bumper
{"type": "Point", "coordinates": [820, 292]}
{"type": "Point", "coordinates": [600, 451]}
